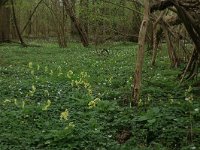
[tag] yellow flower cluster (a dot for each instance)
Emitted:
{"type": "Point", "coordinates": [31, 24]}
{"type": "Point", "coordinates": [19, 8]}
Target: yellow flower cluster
{"type": "Point", "coordinates": [48, 104]}
{"type": "Point", "coordinates": [30, 65]}
{"type": "Point", "coordinates": [82, 81]}
{"type": "Point", "coordinates": [110, 79]}
{"type": "Point", "coordinates": [93, 103]}
{"type": "Point", "coordinates": [51, 72]}
{"type": "Point", "coordinates": [32, 91]}
{"type": "Point", "coordinates": [70, 125]}
{"type": "Point", "coordinates": [38, 67]}
{"type": "Point", "coordinates": [15, 101]}
{"type": "Point", "coordinates": [46, 93]}
{"type": "Point", "coordinates": [59, 71]}
{"type": "Point", "coordinates": [69, 74]}
{"type": "Point", "coordinates": [84, 74]}
{"type": "Point", "coordinates": [64, 115]}
{"type": "Point", "coordinates": [7, 101]}
{"type": "Point", "coordinates": [46, 69]}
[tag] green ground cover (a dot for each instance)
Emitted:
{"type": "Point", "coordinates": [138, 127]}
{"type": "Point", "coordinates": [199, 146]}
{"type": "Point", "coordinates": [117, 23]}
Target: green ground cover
{"type": "Point", "coordinates": [76, 98]}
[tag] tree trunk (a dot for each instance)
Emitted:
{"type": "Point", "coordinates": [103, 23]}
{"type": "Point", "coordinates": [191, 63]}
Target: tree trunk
{"type": "Point", "coordinates": [84, 5]}
{"type": "Point", "coordinates": [170, 46]}
{"type": "Point", "coordinates": [16, 25]}
{"type": "Point", "coordinates": [74, 19]}
{"type": "Point", "coordinates": [73, 32]}
{"type": "Point", "coordinates": [140, 56]}
{"type": "Point", "coordinates": [189, 13]}
{"type": "Point", "coordinates": [31, 15]}
{"type": "Point", "coordinates": [4, 23]}
{"type": "Point", "coordinates": [157, 34]}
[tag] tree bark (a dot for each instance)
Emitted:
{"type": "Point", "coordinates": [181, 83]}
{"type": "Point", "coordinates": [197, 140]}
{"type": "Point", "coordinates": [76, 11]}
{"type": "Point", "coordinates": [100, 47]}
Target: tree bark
{"type": "Point", "coordinates": [189, 14]}
{"type": "Point", "coordinates": [140, 56]}
{"type": "Point", "coordinates": [4, 23]}
{"type": "Point", "coordinates": [157, 34]}
{"type": "Point", "coordinates": [73, 31]}
{"type": "Point", "coordinates": [84, 5]}
{"type": "Point", "coordinates": [170, 46]}
{"type": "Point", "coordinates": [16, 25]}
{"type": "Point", "coordinates": [74, 19]}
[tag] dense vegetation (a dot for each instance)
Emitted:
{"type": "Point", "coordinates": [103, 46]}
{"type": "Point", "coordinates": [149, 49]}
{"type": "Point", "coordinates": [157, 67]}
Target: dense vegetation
{"type": "Point", "coordinates": [80, 98]}
{"type": "Point", "coordinates": [99, 74]}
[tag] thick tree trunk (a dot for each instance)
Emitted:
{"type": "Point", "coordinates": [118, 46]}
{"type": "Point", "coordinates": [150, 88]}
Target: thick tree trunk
{"type": "Point", "coordinates": [74, 19]}
{"type": "Point", "coordinates": [189, 13]}
{"type": "Point", "coordinates": [140, 56]}
{"type": "Point", "coordinates": [4, 24]}
{"type": "Point", "coordinates": [16, 25]}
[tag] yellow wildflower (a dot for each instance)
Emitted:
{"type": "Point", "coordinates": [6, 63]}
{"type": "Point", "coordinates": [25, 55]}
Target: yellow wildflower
{"type": "Point", "coordinates": [30, 65]}
{"type": "Point", "coordinates": [23, 104]}
{"type": "Point", "coordinates": [70, 125]}
{"type": "Point", "coordinates": [90, 91]}
{"type": "Point", "coordinates": [15, 102]}
{"type": "Point", "coordinates": [110, 80]}
{"type": "Point", "coordinates": [7, 101]}
{"type": "Point", "coordinates": [59, 74]}
{"type": "Point", "coordinates": [77, 82]}
{"type": "Point", "coordinates": [46, 69]}
{"type": "Point", "coordinates": [38, 67]}
{"type": "Point", "coordinates": [46, 92]}
{"type": "Point", "coordinates": [31, 92]}
{"type": "Point", "coordinates": [72, 83]}
{"type": "Point", "coordinates": [81, 81]}
{"type": "Point", "coordinates": [83, 74]}
{"type": "Point", "coordinates": [32, 72]}
{"type": "Point", "coordinates": [149, 98]}
{"type": "Point", "coordinates": [86, 84]}
{"type": "Point", "coordinates": [69, 74]}
{"type": "Point", "coordinates": [97, 99]}
{"type": "Point", "coordinates": [47, 105]}
{"type": "Point", "coordinates": [93, 103]}
{"type": "Point", "coordinates": [51, 72]}
{"type": "Point", "coordinates": [33, 88]}
{"type": "Point", "coordinates": [59, 71]}
{"type": "Point", "coordinates": [64, 115]}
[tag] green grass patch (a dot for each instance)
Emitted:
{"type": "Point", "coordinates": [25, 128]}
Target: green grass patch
{"type": "Point", "coordinates": [76, 98]}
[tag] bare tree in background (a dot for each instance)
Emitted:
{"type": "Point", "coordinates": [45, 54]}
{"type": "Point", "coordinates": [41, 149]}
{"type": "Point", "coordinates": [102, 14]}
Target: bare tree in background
{"type": "Point", "coordinates": [76, 22]}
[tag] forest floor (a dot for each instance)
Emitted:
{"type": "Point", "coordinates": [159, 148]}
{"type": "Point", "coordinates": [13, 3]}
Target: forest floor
{"type": "Point", "coordinates": [80, 98]}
